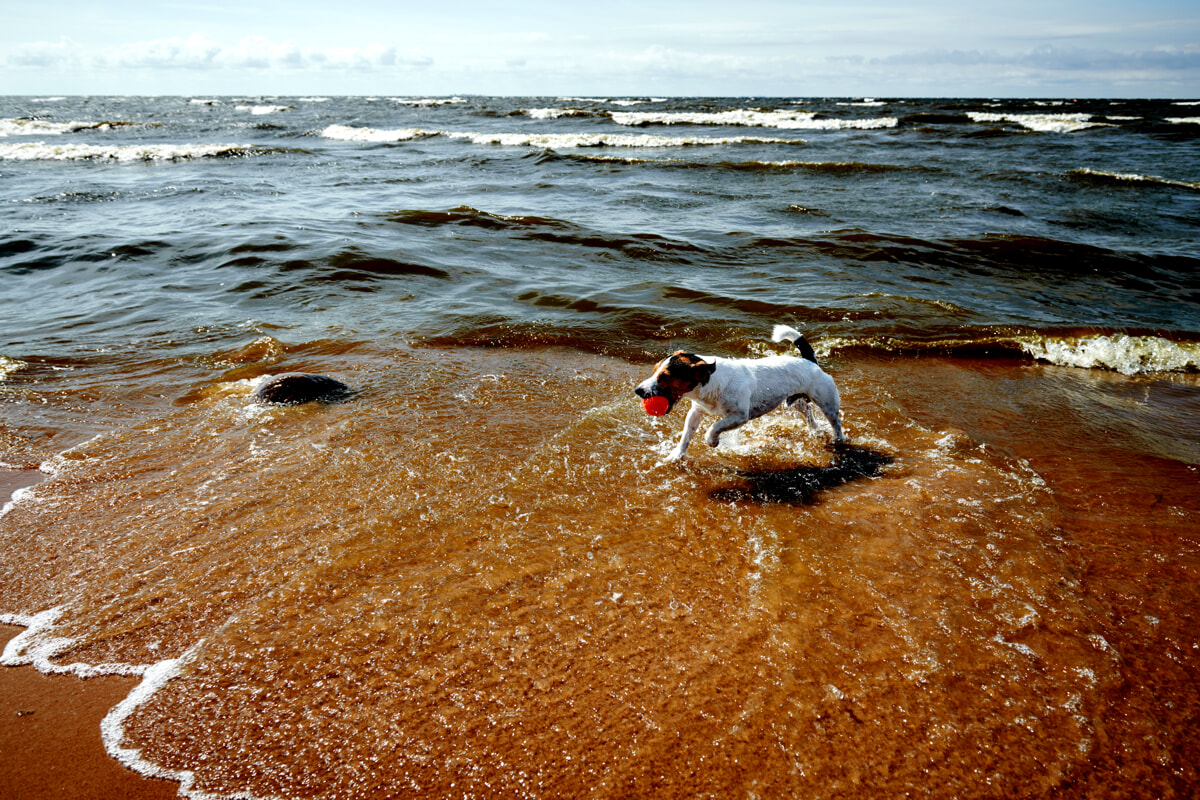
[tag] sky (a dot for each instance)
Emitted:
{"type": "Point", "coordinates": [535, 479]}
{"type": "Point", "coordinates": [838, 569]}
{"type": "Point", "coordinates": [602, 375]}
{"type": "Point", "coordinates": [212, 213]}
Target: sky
{"type": "Point", "coordinates": [870, 48]}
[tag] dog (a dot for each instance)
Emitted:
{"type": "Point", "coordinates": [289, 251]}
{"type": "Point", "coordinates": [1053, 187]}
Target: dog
{"type": "Point", "coordinates": [737, 390]}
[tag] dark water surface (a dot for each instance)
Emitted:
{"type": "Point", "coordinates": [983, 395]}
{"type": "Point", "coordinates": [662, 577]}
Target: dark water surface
{"type": "Point", "coordinates": [475, 578]}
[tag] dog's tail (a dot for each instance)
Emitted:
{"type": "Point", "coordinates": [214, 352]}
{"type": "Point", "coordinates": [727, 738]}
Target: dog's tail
{"type": "Point", "coordinates": [783, 333]}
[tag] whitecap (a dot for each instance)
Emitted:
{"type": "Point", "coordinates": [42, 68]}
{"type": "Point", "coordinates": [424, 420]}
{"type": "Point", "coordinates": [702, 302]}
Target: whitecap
{"type": "Point", "coordinates": [9, 365]}
{"type": "Point", "coordinates": [1129, 355]}
{"type": "Point", "coordinates": [1133, 177]}
{"type": "Point", "coordinates": [40, 127]}
{"type": "Point", "coordinates": [1042, 123]}
{"type": "Point", "coordinates": [782, 119]}
{"type": "Point", "coordinates": [351, 134]}
{"type": "Point", "coordinates": [428, 101]}
{"type": "Point", "coordinates": [260, 110]}
{"type": "Point", "coordinates": [1184, 120]}
{"type": "Point", "coordinates": [576, 140]}
{"type": "Point", "coordinates": [556, 113]}
{"type": "Point", "coordinates": [39, 151]}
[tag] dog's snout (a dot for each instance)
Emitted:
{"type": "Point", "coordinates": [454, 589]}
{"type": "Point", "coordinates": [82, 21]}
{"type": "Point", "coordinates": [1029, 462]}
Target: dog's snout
{"type": "Point", "coordinates": [642, 392]}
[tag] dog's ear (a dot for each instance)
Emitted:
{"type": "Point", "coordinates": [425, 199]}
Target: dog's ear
{"type": "Point", "coordinates": [704, 371]}
{"type": "Point", "coordinates": [692, 365]}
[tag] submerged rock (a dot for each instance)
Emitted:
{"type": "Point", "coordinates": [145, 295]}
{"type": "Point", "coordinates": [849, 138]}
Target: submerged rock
{"type": "Point", "coordinates": [294, 388]}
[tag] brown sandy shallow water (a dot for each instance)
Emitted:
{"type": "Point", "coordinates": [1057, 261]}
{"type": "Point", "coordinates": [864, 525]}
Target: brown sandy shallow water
{"type": "Point", "coordinates": [474, 579]}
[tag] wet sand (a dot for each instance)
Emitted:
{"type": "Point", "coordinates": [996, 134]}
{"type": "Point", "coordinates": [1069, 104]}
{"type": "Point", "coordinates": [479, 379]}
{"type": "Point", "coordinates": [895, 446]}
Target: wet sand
{"type": "Point", "coordinates": [1104, 560]}
{"type": "Point", "coordinates": [50, 737]}
{"type": "Point", "coordinates": [50, 724]}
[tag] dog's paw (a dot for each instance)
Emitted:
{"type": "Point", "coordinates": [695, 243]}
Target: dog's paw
{"type": "Point", "coordinates": [673, 457]}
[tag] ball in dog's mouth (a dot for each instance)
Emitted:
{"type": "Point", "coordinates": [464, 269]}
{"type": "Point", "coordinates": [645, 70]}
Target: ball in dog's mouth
{"type": "Point", "coordinates": [656, 406]}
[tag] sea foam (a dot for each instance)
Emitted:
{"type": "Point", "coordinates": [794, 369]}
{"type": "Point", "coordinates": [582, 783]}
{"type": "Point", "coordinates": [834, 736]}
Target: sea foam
{"type": "Point", "coordinates": [1042, 123]}
{"type": "Point", "coordinates": [782, 119]}
{"type": "Point", "coordinates": [542, 140]}
{"type": "Point", "coordinates": [1129, 355]}
{"type": "Point", "coordinates": [39, 151]}
{"type": "Point", "coordinates": [351, 134]}
{"type": "Point", "coordinates": [1131, 177]}
{"type": "Point", "coordinates": [41, 127]}
{"type": "Point", "coordinates": [37, 645]}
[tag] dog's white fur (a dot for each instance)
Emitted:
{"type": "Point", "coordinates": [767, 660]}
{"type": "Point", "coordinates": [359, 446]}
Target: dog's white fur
{"type": "Point", "coordinates": [742, 389]}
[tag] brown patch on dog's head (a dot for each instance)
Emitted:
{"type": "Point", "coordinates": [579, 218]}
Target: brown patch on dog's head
{"type": "Point", "coordinates": [676, 375]}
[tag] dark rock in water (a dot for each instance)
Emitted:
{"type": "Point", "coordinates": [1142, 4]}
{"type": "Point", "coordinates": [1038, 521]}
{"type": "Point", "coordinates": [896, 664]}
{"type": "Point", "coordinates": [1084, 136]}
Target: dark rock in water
{"type": "Point", "coordinates": [294, 388]}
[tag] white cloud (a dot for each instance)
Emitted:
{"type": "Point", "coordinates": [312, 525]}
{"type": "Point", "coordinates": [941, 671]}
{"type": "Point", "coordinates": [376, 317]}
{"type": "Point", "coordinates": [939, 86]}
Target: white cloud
{"type": "Point", "coordinates": [197, 52]}
{"type": "Point", "coordinates": [46, 55]}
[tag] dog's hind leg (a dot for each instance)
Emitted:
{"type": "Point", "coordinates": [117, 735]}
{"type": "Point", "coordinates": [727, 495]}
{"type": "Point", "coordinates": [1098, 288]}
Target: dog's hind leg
{"type": "Point", "coordinates": [803, 402]}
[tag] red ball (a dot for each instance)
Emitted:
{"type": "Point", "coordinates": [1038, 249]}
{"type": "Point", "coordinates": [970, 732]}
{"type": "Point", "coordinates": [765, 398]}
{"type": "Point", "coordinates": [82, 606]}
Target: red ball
{"type": "Point", "coordinates": [656, 406]}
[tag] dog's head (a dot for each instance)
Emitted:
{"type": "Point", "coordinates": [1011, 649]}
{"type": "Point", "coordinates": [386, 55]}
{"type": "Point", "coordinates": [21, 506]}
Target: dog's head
{"type": "Point", "coordinates": [675, 376]}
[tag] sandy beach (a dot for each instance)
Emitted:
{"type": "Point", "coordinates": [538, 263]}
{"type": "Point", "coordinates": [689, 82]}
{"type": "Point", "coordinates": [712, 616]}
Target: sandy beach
{"type": "Point", "coordinates": [50, 725]}
{"type": "Point", "coordinates": [50, 737]}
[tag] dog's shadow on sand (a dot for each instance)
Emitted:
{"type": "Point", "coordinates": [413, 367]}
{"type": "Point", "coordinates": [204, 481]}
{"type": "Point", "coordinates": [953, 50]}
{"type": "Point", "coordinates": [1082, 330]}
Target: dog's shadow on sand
{"type": "Point", "coordinates": [803, 484]}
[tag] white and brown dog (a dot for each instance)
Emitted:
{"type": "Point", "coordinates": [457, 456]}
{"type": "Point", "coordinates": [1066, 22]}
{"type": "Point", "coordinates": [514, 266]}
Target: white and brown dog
{"type": "Point", "coordinates": [737, 390]}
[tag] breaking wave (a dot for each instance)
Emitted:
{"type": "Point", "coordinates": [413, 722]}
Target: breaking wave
{"type": "Point", "coordinates": [749, 118]}
{"type": "Point", "coordinates": [543, 140]}
{"type": "Point", "coordinates": [1042, 123]}
{"type": "Point", "coordinates": [1129, 355]}
{"type": "Point", "coordinates": [39, 151]}
{"type": "Point", "coordinates": [41, 127]}
{"type": "Point", "coordinates": [1129, 177]}
{"type": "Point", "coordinates": [1114, 352]}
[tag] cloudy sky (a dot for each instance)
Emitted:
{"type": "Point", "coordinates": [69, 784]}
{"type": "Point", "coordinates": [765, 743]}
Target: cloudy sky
{"type": "Point", "coordinates": [1040, 48]}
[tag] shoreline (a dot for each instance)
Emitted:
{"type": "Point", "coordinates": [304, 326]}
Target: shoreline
{"type": "Point", "coordinates": [50, 737]}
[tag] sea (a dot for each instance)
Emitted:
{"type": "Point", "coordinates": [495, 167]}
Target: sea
{"type": "Point", "coordinates": [476, 577]}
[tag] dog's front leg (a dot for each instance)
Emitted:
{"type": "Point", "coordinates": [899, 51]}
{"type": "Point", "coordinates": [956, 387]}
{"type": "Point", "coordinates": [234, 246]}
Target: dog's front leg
{"type": "Point", "coordinates": [735, 420]}
{"type": "Point", "coordinates": [690, 425]}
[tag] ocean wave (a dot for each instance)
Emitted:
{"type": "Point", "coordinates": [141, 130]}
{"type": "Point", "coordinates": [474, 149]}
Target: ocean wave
{"type": "Point", "coordinates": [351, 134]}
{"type": "Point", "coordinates": [1128, 177]}
{"type": "Point", "coordinates": [39, 127]}
{"type": "Point", "coordinates": [260, 110]}
{"type": "Point", "coordinates": [559, 113]}
{"type": "Point", "coordinates": [39, 151]}
{"type": "Point", "coordinates": [1114, 352]}
{"type": "Point", "coordinates": [8, 366]}
{"type": "Point", "coordinates": [428, 102]}
{"type": "Point", "coordinates": [1129, 355]}
{"type": "Point", "coordinates": [543, 140]}
{"type": "Point", "coordinates": [577, 140]}
{"type": "Point", "coordinates": [1184, 120]}
{"type": "Point", "coordinates": [826, 167]}
{"type": "Point", "coordinates": [749, 118]}
{"type": "Point", "coordinates": [1042, 123]}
